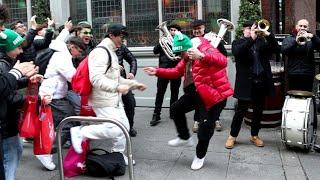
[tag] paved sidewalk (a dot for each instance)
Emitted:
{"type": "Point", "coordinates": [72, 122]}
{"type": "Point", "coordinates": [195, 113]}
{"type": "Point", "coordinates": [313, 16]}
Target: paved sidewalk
{"type": "Point", "coordinates": [155, 160]}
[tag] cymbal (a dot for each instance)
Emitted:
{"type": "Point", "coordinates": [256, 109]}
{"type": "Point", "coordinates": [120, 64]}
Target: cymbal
{"type": "Point", "coordinates": [317, 77]}
{"type": "Point", "coordinates": [300, 93]}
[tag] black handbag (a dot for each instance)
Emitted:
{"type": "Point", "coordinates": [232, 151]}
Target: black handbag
{"type": "Point", "coordinates": [105, 164]}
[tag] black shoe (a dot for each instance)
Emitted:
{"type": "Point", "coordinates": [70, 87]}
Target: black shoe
{"type": "Point", "coordinates": [133, 132]}
{"type": "Point", "coordinates": [155, 120]}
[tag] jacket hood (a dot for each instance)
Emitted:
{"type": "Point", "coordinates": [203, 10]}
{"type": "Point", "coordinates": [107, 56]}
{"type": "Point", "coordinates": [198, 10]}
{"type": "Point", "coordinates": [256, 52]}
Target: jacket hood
{"type": "Point", "coordinates": [59, 46]}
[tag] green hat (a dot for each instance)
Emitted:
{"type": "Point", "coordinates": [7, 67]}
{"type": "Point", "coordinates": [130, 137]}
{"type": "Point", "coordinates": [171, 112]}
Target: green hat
{"type": "Point", "coordinates": [10, 40]}
{"type": "Point", "coordinates": [181, 43]}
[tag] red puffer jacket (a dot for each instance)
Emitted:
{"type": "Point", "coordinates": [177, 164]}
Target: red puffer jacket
{"type": "Point", "coordinates": [209, 75]}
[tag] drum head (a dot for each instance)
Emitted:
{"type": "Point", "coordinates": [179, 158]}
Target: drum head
{"type": "Point", "coordinates": [300, 93]}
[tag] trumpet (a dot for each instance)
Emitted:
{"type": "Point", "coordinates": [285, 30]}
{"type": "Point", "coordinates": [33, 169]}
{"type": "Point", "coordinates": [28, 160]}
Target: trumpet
{"type": "Point", "coordinates": [225, 25]}
{"type": "Point", "coordinates": [263, 26]}
{"type": "Point", "coordinates": [166, 40]}
{"type": "Point", "coordinates": [302, 37]}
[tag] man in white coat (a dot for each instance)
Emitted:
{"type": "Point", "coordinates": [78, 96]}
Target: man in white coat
{"type": "Point", "coordinates": [108, 86]}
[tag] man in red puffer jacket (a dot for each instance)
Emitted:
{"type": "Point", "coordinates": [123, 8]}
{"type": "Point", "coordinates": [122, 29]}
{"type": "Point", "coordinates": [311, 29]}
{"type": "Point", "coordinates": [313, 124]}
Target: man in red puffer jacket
{"type": "Point", "coordinates": [206, 88]}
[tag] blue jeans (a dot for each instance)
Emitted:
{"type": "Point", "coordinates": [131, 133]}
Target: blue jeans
{"type": "Point", "coordinates": [12, 151]}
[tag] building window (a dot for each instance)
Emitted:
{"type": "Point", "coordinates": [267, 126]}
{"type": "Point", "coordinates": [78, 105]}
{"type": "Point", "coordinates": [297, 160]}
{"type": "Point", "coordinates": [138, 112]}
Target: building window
{"type": "Point", "coordinates": [18, 10]}
{"type": "Point", "coordinates": [181, 12]}
{"type": "Point", "coordinates": [142, 19]}
{"type": "Point", "coordinates": [104, 13]}
{"type": "Point", "coordinates": [214, 10]}
{"type": "Point", "coordinates": [78, 10]}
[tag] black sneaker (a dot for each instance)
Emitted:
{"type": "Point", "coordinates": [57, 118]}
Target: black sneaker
{"type": "Point", "coordinates": [133, 132]}
{"type": "Point", "coordinates": [155, 120]}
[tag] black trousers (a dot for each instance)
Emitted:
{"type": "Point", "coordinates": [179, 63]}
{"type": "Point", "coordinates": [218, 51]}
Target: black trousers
{"type": "Point", "coordinates": [258, 99]}
{"type": "Point", "coordinates": [186, 103]}
{"type": "Point", "coordinates": [206, 128]}
{"type": "Point", "coordinates": [129, 103]}
{"type": "Point", "coordinates": [301, 82]}
{"type": "Point", "coordinates": [62, 108]}
{"type": "Point", "coordinates": [161, 90]}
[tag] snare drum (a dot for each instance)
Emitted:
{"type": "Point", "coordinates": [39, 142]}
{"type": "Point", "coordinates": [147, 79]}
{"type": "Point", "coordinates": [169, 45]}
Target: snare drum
{"type": "Point", "coordinates": [298, 116]}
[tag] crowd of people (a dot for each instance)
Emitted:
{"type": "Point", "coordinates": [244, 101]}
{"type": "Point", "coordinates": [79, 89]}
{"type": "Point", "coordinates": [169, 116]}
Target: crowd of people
{"type": "Point", "coordinates": [203, 68]}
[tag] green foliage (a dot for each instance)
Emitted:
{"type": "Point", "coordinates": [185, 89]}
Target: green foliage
{"type": "Point", "coordinates": [41, 8]}
{"type": "Point", "coordinates": [249, 10]}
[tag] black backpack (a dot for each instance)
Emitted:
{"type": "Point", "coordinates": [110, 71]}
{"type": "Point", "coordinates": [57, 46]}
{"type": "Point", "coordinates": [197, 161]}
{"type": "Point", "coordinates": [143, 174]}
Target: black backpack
{"type": "Point", "coordinates": [42, 60]}
{"type": "Point", "coordinates": [105, 164]}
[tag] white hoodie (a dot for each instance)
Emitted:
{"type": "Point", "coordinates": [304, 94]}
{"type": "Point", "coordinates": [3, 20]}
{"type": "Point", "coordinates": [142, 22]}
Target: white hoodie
{"type": "Point", "coordinates": [59, 71]}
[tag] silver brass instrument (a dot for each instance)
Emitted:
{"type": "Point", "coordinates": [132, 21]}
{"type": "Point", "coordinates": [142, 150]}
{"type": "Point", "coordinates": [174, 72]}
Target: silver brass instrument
{"type": "Point", "coordinates": [302, 37]}
{"type": "Point", "coordinates": [166, 40]}
{"type": "Point", "coordinates": [225, 25]}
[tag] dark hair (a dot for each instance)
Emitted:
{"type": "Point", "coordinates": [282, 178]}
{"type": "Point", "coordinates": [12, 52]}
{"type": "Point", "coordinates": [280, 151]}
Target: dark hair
{"type": "Point", "coordinates": [248, 23]}
{"type": "Point", "coordinates": [77, 41]}
{"type": "Point", "coordinates": [4, 14]}
{"type": "Point", "coordinates": [41, 26]}
{"type": "Point", "coordinates": [174, 26]}
{"type": "Point", "coordinates": [78, 28]}
{"type": "Point", "coordinates": [14, 23]}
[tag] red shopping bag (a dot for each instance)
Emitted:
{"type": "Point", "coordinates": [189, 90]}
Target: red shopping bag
{"type": "Point", "coordinates": [44, 140]}
{"type": "Point", "coordinates": [28, 125]}
{"type": "Point", "coordinates": [74, 164]}
{"type": "Point", "coordinates": [86, 109]}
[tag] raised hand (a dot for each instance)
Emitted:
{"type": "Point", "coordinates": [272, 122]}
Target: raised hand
{"type": "Point", "coordinates": [33, 22]}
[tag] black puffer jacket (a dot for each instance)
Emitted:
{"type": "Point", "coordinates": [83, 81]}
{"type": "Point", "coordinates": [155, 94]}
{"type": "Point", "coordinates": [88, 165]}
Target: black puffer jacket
{"type": "Point", "coordinates": [8, 84]}
{"type": "Point", "coordinates": [31, 46]}
{"type": "Point", "coordinates": [164, 61]}
{"type": "Point", "coordinates": [11, 104]}
{"type": "Point", "coordinates": [300, 57]}
{"type": "Point", "coordinates": [124, 53]}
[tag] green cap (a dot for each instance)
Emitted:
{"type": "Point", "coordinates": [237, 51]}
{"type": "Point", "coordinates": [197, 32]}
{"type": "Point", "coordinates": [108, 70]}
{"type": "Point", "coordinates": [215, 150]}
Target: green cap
{"type": "Point", "coordinates": [10, 40]}
{"type": "Point", "coordinates": [181, 43]}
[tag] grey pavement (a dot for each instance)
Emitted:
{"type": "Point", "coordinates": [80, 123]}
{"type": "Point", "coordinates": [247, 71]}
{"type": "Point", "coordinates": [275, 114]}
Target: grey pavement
{"type": "Point", "coordinates": [155, 160]}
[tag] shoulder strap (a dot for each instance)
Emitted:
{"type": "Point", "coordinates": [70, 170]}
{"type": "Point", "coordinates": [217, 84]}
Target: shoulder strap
{"type": "Point", "coordinates": [109, 55]}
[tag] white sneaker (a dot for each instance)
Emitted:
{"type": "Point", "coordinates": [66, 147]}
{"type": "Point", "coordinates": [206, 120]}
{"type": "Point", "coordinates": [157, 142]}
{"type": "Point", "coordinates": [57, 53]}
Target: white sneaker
{"type": "Point", "coordinates": [197, 163]}
{"type": "Point", "coordinates": [46, 161]}
{"type": "Point", "coordinates": [76, 139]}
{"type": "Point", "coordinates": [180, 142]}
{"type": "Point", "coordinates": [126, 160]}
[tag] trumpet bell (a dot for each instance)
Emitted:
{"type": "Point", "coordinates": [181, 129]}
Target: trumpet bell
{"type": "Point", "coordinates": [263, 25]}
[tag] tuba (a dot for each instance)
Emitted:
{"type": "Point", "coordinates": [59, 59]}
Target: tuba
{"type": "Point", "coordinates": [225, 25]}
{"type": "Point", "coordinates": [166, 40]}
{"type": "Point", "coordinates": [302, 37]}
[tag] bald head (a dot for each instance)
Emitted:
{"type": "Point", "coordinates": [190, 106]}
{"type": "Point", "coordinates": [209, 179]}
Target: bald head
{"type": "Point", "coordinates": [302, 24]}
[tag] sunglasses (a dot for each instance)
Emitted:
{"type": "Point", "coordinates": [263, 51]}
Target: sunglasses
{"type": "Point", "coordinates": [20, 26]}
{"type": "Point", "coordinates": [87, 33]}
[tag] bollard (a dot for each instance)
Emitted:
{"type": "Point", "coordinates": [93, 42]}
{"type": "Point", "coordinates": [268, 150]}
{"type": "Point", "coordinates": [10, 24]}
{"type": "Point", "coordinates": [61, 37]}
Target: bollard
{"type": "Point", "coordinates": [93, 119]}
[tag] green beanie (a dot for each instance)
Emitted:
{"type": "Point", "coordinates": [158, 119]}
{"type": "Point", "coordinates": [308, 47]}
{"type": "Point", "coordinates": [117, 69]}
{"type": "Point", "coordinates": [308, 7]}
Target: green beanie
{"type": "Point", "coordinates": [181, 43]}
{"type": "Point", "coordinates": [10, 40]}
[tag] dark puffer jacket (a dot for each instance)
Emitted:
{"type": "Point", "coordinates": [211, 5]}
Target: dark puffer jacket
{"type": "Point", "coordinates": [300, 57]}
{"type": "Point", "coordinates": [31, 46]}
{"type": "Point", "coordinates": [12, 103]}
{"type": "Point", "coordinates": [164, 61]}
{"type": "Point", "coordinates": [124, 53]}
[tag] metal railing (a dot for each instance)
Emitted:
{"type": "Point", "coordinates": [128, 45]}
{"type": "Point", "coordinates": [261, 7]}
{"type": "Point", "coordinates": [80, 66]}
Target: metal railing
{"type": "Point", "coordinates": [94, 119]}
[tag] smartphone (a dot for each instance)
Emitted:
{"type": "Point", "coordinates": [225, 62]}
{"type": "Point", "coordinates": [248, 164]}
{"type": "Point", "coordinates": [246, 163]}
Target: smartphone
{"type": "Point", "coordinates": [69, 18]}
